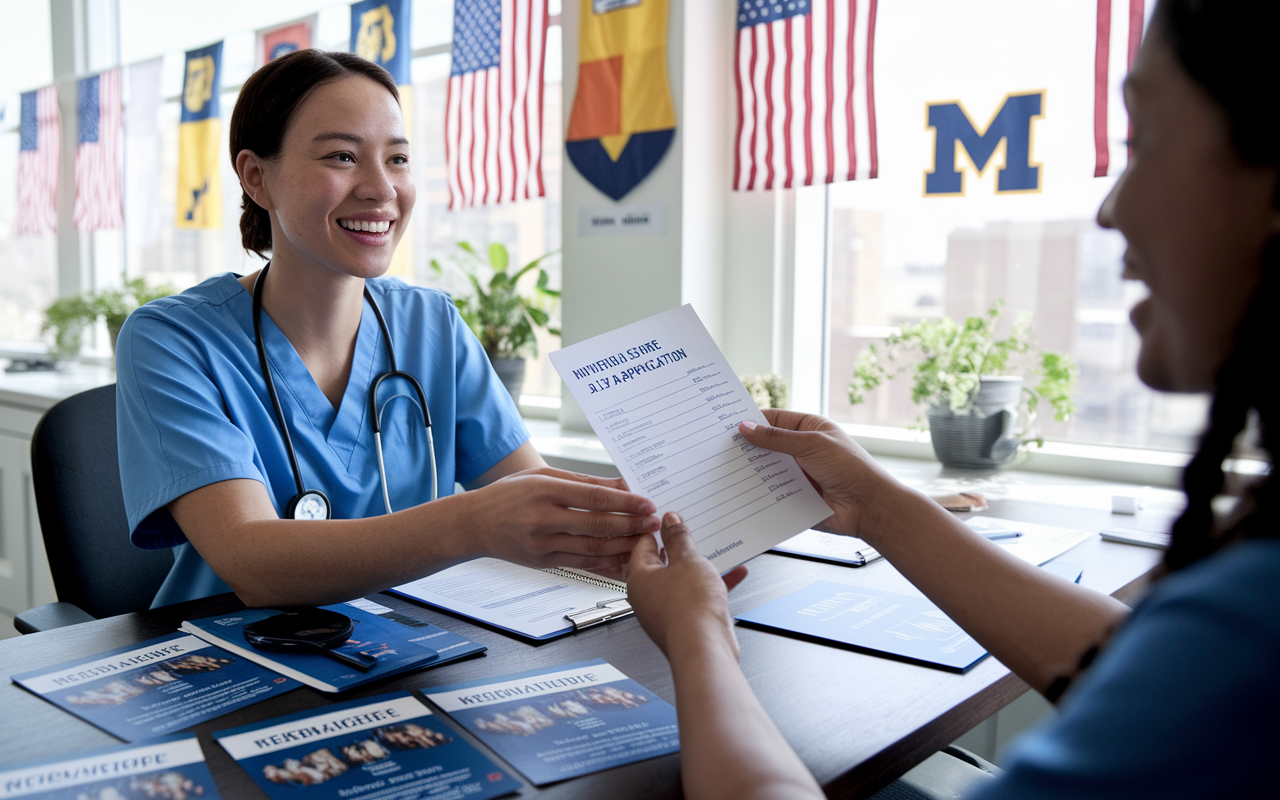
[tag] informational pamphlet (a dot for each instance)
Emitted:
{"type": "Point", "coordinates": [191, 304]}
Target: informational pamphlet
{"type": "Point", "coordinates": [910, 628]}
{"type": "Point", "coordinates": [666, 404]}
{"type": "Point", "coordinates": [162, 686]}
{"type": "Point", "coordinates": [536, 603]}
{"type": "Point", "coordinates": [170, 767]}
{"type": "Point", "coordinates": [553, 724]}
{"type": "Point", "coordinates": [1036, 545]}
{"type": "Point", "coordinates": [398, 644]}
{"type": "Point", "coordinates": [389, 747]}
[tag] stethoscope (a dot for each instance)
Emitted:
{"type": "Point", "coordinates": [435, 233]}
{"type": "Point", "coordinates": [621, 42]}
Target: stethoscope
{"type": "Point", "coordinates": [313, 503]}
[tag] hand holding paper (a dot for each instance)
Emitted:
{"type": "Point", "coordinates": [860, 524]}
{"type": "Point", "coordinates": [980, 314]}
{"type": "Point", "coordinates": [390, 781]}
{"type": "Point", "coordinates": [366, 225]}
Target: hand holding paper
{"type": "Point", "coordinates": [666, 404]}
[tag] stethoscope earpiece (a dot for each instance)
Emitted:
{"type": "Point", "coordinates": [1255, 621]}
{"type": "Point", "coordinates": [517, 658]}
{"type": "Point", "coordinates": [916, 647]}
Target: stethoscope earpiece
{"type": "Point", "coordinates": [313, 503]}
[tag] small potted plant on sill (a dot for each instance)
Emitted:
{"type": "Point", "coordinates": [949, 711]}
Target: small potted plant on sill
{"type": "Point", "coordinates": [979, 416]}
{"type": "Point", "coordinates": [67, 317]}
{"type": "Point", "coordinates": [502, 315]}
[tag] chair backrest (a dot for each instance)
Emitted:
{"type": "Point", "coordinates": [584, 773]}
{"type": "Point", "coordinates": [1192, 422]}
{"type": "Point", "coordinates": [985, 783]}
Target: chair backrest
{"type": "Point", "coordinates": [76, 472]}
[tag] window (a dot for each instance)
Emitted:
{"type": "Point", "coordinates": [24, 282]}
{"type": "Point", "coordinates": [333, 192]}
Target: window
{"type": "Point", "coordinates": [902, 249]}
{"type": "Point", "coordinates": [28, 265]}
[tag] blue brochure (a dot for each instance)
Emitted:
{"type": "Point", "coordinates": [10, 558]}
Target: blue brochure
{"type": "Point", "coordinates": [155, 688]}
{"type": "Point", "coordinates": [389, 747]}
{"type": "Point", "coordinates": [399, 643]}
{"type": "Point", "coordinates": [563, 722]}
{"type": "Point", "coordinates": [910, 628]}
{"type": "Point", "coordinates": [171, 767]}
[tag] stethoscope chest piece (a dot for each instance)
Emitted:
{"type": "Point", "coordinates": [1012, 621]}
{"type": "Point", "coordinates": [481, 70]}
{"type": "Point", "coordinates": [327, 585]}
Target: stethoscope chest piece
{"type": "Point", "coordinates": [311, 504]}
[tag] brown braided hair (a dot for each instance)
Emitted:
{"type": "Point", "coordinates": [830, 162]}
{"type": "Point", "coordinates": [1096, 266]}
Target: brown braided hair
{"type": "Point", "coordinates": [266, 106]}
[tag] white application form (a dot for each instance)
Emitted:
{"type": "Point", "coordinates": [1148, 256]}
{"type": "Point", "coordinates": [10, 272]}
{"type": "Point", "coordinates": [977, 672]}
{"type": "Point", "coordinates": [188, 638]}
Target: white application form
{"type": "Point", "coordinates": [666, 404]}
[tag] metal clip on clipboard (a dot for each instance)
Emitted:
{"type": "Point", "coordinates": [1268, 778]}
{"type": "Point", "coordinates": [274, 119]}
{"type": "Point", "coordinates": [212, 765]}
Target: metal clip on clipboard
{"type": "Point", "coordinates": [603, 611]}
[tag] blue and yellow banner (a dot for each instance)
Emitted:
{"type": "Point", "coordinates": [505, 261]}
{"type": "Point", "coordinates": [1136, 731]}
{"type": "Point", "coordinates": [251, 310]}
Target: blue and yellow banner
{"type": "Point", "coordinates": [623, 119]}
{"type": "Point", "coordinates": [200, 141]}
{"type": "Point", "coordinates": [380, 33]}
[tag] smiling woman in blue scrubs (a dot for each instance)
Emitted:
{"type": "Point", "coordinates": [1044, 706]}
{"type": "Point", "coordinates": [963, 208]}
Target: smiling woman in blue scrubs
{"type": "Point", "coordinates": [318, 142]}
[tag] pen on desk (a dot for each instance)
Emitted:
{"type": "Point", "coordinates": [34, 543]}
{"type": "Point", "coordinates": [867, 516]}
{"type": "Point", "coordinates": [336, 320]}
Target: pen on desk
{"type": "Point", "coordinates": [999, 534]}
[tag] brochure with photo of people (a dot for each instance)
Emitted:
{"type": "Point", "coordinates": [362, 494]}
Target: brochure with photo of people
{"type": "Point", "coordinates": [391, 641]}
{"type": "Point", "coordinates": [390, 746]}
{"type": "Point", "coordinates": [171, 767]}
{"type": "Point", "coordinates": [155, 688]}
{"type": "Point", "coordinates": [559, 723]}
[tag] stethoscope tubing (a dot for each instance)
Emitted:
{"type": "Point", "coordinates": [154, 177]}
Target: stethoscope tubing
{"type": "Point", "coordinates": [394, 372]}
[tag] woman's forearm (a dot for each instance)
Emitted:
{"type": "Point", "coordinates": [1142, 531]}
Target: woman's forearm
{"type": "Point", "coordinates": [729, 748]}
{"type": "Point", "coordinates": [1036, 624]}
{"type": "Point", "coordinates": [273, 562]}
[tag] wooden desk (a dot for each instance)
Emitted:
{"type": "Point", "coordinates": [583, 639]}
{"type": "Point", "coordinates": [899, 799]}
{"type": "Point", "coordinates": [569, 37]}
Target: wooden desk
{"type": "Point", "coordinates": [857, 720]}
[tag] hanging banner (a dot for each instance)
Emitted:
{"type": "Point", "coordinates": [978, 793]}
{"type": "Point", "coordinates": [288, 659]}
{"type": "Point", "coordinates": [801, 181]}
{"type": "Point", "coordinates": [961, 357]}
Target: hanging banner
{"type": "Point", "coordinates": [805, 79]}
{"type": "Point", "coordinates": [380, 32]}
{"type": "Point", "coordinates": [623, 119]}
{"type": "Point", "coordinates": [199, 203]}
{"type": "Point", "coordinates": [275, 42]}
{"type": "Point", "coordinates": [39, 132]}
{"type": "Point", "coordinates": [493, 119]}
{"type": "Point", "coordinates": [143, 216]}
{"type": "Point", "coordinates": [100, 124]}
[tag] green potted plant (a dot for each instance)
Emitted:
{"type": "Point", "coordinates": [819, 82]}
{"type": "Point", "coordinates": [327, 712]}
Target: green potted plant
{"type": "Point", "coordinates": [961, 377]}
{"type": "Point", "coordinates": [67, 317]}
{"type": "Point", "coordinates": [767, 390]}
{"type": "Point", "coordinates": [504, 316]}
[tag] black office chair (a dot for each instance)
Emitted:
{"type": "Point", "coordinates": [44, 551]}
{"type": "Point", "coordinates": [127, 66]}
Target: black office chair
{"type": "Point", "coordinates": [75, 468]}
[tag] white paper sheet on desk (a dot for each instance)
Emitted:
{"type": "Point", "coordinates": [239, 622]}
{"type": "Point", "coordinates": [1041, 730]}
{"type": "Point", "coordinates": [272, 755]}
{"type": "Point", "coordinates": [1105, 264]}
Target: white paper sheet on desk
{"type": "Point", "coordinates": [666, 404]}
{"type": "Point", "coordinates": [1038, 543]}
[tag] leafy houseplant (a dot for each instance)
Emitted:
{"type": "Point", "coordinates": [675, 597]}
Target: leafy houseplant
{"type": "Point", "coordinates": [67, 317]}
{"type": "Point", "coordinates": [768, 390]}
{"type": "Point", "coordinates": [959, 377]}
{"type": "Point", "coordinates": [502, 315]}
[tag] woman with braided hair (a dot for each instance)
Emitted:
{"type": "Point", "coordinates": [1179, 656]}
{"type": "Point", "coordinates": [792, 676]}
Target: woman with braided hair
{"type": "Point", "coordinates": [1179, 696]}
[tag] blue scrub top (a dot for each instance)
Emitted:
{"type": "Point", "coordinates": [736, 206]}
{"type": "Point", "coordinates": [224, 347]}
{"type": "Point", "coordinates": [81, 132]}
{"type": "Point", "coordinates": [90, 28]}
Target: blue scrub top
{"type": "Point", "coordinates": [1183, 703]}
{"type": "Point", "coordinates": [193, 409]}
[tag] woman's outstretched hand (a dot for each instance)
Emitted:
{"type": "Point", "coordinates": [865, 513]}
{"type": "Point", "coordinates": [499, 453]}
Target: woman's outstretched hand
{"type": "Point", "coordinates": [546, 517]}
{"type": "Point", "coordinates": [681, 595]}
{"type": "Point", "coordinates": [846, 476]}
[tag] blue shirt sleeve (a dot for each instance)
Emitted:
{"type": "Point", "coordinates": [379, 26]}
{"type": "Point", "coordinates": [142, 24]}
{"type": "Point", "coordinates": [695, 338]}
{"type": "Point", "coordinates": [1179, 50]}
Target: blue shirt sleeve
{"type": "Point", "coordinates": [1182, 704]}
{"type": "Point", "coordinates": [173, 430]}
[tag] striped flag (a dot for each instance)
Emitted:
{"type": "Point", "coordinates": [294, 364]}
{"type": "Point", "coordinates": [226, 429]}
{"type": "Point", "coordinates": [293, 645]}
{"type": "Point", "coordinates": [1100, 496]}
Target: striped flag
{"type": "Point", "coordinates": [1120, 25]}
{"type": "Point", "coordinates": [493, 121]}
{"type": "Point", "coordinates": [99, 205]}
{"type": "Point", "coordinates": [806, 93]}
{"type": "Point", "coordinates": [39, 131]}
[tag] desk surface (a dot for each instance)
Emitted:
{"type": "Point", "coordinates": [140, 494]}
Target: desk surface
{"type": "Point", "coordinates": [857, 720]}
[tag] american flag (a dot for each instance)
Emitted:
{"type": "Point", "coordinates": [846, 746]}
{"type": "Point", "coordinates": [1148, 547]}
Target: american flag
{"type": "Point", "coordinates": [38, 152]}
{"type": "Point", "coordinates": [99, 204]}
{"type": "Point", "coordinates": [806, 93]}
{"type": "Point", "coordinates": [1120, 24]}
{"type": "Point", "coordinates": [493, 123]}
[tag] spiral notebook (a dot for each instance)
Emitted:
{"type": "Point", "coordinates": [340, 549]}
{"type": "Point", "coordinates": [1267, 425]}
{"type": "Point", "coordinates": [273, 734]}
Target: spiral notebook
{"type": "Point", "coordinates": [534, 603]}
